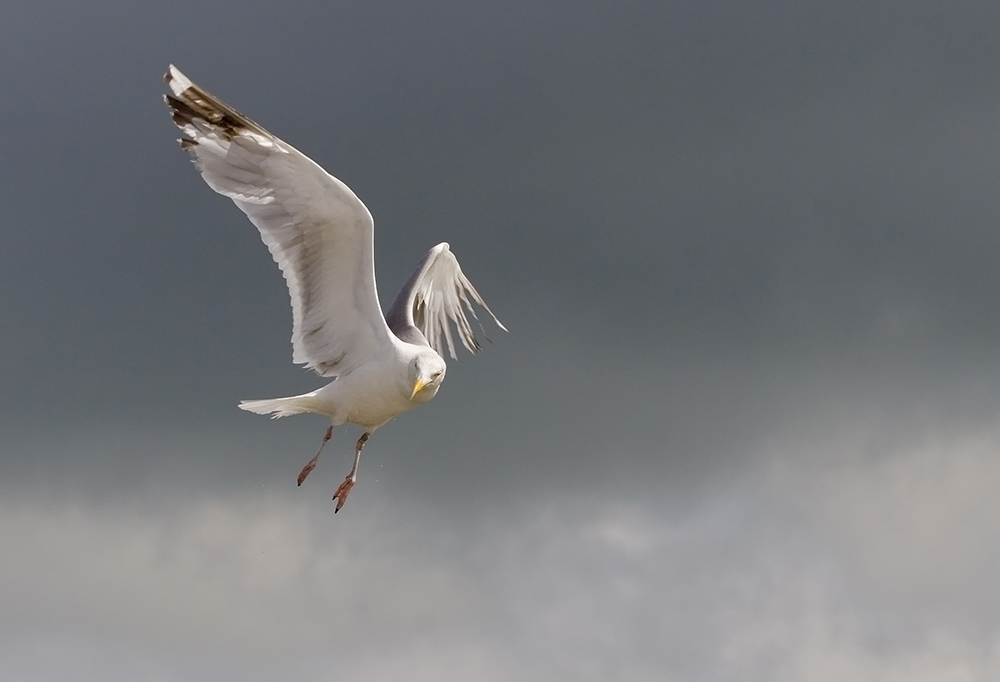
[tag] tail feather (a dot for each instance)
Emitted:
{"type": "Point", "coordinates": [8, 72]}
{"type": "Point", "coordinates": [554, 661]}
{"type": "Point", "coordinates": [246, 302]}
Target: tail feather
{"type": "Point", "coordinates": [282, 407]}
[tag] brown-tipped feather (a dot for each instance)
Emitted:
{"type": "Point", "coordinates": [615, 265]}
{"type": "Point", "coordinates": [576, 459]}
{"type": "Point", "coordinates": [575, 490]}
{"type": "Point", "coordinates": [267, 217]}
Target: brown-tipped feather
{"type": "Point", "coordinates": [196, 103]}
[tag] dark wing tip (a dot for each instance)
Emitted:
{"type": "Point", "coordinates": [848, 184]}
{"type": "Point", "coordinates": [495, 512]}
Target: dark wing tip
{"type": "Point", "coordinates": [189, 102]}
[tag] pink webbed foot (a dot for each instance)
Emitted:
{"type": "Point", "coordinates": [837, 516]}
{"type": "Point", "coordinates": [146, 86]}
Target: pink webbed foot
{"type": "Point", "coordinates": [345, 488]}
{"type": "Point", "coordinates": [343, 491]}
{"type": "Point", "coordinates": [307, 469]}
{"type": "Point", "coordinates": [311, 464]}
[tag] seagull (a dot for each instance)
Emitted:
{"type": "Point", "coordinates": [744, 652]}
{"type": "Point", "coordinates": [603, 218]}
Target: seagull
{"type": "Point", "coordinates": [322, 238]}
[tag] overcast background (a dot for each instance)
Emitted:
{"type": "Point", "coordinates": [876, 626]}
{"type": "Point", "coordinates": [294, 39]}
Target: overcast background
{"type": "Point", "coordinates": [744, 426]}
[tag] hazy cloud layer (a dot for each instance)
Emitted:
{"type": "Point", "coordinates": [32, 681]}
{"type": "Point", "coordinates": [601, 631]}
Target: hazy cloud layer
{"type": "Point", "coordinates": [810, 571]}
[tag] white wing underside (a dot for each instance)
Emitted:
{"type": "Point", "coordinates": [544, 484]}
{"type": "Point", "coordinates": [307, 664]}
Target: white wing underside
{"type": "Point", "coordinates": [438, 295]}
{"type": "Point", "coordinates": [318, 232]}
{"type": "Point", "coordinates": [322, 237]}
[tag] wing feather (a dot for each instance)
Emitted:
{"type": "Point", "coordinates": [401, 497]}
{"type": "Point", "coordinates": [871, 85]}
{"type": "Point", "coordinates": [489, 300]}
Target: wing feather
{"type": "Point", "coordinates": [318, 232]}
{"type": "Point", "coordinates": [437, 296]}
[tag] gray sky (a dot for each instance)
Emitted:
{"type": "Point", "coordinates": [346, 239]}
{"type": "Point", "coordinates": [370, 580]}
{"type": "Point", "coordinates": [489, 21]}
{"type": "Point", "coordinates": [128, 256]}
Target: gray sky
{"type": "Point", "coordinates": [744, 426]}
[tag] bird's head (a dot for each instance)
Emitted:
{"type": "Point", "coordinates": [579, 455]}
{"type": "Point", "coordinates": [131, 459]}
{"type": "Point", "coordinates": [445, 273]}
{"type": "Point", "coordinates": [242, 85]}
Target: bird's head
{"type": "Point", "coordinates": [426, 374]}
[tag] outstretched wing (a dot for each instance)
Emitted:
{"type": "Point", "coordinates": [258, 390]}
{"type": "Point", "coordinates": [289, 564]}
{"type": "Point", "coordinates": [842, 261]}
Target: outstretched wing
{"type": "Point", "coordinates": [318, 231]}
{"type": "Point", "coordinates": [436, 295]}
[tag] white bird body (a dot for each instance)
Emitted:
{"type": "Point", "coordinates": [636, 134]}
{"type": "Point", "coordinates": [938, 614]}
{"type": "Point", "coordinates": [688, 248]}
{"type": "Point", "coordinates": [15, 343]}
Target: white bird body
{"type": "Point", "coordinates": [322, 238]}
{"type": "Point", "coordinates": [368, 396]}
{"type": "Point", "coordinates": [352, 399]}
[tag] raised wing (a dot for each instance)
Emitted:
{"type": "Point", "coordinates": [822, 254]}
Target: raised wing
{"type": "Point", "coordinates": [436, 295]}
{"type": "Point", "coordinates": [318, 231]}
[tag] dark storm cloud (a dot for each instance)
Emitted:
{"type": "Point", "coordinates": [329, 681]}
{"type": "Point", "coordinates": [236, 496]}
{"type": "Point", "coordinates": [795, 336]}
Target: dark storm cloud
{"type": "Point", "coordinates": [785, 177]}
{"type": "Point", "coordinates": [650, 195]}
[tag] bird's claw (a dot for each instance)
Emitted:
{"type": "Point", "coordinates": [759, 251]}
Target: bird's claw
{"type": "Point", "coordinates": [342, 492]}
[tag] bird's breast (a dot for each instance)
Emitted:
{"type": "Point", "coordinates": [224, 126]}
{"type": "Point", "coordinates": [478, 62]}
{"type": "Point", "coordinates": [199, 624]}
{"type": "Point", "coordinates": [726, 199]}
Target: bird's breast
{"type": "Point", "coordinates": [371, 395]}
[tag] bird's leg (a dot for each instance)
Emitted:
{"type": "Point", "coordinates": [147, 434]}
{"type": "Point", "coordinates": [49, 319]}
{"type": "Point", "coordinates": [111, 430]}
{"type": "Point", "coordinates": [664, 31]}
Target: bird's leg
{"type": "Point", "coordinates": [311, 464]}
{"type": "Point", "coordinates": [345, 488]}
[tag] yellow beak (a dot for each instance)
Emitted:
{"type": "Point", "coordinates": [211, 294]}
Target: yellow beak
{"type": "Point", "coordinates": [417, 388]}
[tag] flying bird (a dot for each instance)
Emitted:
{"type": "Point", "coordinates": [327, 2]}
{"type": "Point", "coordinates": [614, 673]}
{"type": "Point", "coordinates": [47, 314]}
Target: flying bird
{"type": "Point", "coordinates": [322, 238]}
